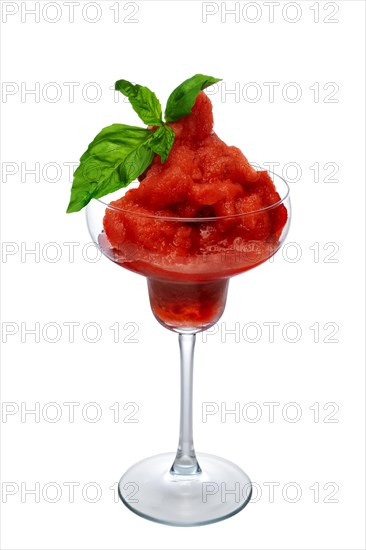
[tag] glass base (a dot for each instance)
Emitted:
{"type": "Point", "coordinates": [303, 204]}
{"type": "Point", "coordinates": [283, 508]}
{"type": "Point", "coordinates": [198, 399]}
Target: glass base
{"type": "Point", "coordinates": [219, 491]}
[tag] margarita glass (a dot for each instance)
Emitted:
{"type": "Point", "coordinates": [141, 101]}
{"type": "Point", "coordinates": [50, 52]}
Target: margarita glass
{"type": "Point", "coordinates": [188, 295]}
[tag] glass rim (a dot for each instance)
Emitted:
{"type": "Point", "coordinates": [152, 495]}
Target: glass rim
{"type": "Point", "coordinates": [182, 219]}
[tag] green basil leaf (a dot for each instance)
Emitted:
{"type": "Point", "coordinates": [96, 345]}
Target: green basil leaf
{"type": "Point", "coordinates": [117, 155]}
{"type": "Point", "coordinates": [143, 101]}
{"type": "Point", "coordinates": [182, 99]}
{"type": "Point", "coordinates": [162, 141]}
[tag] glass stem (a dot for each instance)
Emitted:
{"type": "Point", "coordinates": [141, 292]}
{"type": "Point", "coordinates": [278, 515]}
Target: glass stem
{"type": "Point", "coordinates": [185, 462]}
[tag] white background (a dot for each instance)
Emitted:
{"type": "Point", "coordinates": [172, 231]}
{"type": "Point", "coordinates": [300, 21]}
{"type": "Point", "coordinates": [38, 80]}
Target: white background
{"type": "Point", "coordinates": [306, 43]}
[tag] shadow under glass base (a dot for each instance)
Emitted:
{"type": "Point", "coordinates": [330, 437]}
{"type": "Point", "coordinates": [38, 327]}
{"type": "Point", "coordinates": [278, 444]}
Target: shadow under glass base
{"type": "Point", "coordinates": [219, 491]}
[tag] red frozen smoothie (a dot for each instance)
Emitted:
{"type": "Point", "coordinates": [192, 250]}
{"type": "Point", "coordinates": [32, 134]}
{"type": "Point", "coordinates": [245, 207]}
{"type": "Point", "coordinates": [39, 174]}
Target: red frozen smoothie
{"type": "Point", "coordinates": [194, 221]}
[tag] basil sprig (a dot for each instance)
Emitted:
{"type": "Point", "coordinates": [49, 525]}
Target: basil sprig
{"type": "Point", "coordinates": [121, 153]}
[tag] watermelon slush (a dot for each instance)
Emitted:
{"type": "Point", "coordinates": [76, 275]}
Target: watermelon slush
{"type": "Point", "coordinates": [201, 217]}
